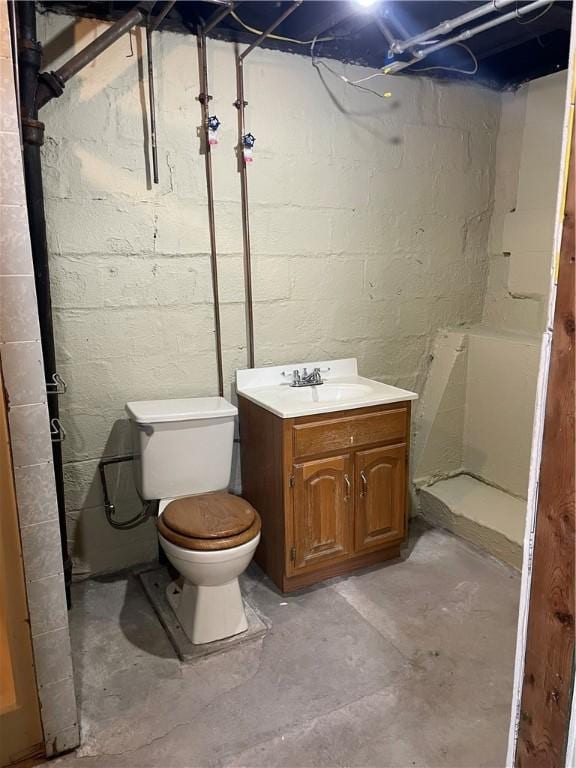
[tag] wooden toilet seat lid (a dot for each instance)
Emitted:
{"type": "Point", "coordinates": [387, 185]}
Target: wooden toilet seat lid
{"type": "Point", "coordinates": [209, 545]}
{"type": "Point", "coordinates": [209, 516]}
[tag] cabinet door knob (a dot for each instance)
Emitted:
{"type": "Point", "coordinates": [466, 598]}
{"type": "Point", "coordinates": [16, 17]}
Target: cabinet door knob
{"type": "Point", "coordinates": [364, 479]}
{"type": "Point", "coordinates": [348, 488]}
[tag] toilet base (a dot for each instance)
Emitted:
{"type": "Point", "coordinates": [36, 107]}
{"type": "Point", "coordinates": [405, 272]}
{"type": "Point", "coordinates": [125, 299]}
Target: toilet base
{"type": "Point", "coordinates": [206, 613]}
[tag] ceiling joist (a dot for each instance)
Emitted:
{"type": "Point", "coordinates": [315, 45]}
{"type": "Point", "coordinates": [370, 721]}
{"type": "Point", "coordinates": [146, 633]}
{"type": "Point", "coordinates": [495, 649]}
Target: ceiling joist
{"type": "Point", "coordinates": [507, 55]}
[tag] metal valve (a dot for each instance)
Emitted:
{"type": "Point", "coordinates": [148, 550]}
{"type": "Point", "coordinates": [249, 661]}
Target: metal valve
{"type": "Point", "coordinates": [248, 141]}
{"type": "Point", "coordinates": [213, 126]}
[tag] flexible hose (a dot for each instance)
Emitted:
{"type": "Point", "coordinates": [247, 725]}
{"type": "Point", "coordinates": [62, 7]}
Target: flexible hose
{"type": "Point", "coordinates": [109, 508]}
{"type": "Point", "coordinates": [133, 522]}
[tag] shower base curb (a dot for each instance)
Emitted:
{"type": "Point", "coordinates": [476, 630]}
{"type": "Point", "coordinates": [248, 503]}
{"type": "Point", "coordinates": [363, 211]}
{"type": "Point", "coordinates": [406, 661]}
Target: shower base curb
{"type": "Point", "coordinates": [483, 515]}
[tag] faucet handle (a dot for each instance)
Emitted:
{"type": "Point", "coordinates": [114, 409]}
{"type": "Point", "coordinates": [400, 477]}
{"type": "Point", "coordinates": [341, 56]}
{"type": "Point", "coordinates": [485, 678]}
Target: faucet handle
{"type": "Point", "coordinates": [294, 376]}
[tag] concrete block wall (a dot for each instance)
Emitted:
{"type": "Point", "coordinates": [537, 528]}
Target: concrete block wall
{"type": "Point", "coordinates": [369, 220]}
{"type": "Point", "coordinates": [477, 408]}
{"type": "Point", "coordinates": [478, 402]}
{"type": "Point", "coordinates": [503, 355]}
{"type": "Point", "coordinates": [438, 448]}
{"type": "Point", "coordinates": [502, 371]}
{"type": "Point", "coordinates": [529, 229]}
{"type": "Point", "coordinates": [525, 189]}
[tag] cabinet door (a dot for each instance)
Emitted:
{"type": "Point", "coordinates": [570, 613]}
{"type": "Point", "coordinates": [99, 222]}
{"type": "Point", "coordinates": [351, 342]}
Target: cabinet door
{"type": "Point", "coordinates": [323, 505]}
{"type": "Point", "coordinates": [380, 475]}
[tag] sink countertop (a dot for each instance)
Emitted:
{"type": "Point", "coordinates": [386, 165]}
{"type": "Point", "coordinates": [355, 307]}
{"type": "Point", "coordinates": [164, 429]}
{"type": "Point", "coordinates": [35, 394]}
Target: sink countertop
{"type": "Point", "coordinates": [343, 389]}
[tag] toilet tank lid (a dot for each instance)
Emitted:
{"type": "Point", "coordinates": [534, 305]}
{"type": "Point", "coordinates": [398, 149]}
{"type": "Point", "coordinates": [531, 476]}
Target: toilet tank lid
{"type": "Point", "coordinates": [186, 409]}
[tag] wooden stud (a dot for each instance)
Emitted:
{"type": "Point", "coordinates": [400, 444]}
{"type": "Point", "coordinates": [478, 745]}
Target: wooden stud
{"type": "Point", "coordinates": [549, 660]}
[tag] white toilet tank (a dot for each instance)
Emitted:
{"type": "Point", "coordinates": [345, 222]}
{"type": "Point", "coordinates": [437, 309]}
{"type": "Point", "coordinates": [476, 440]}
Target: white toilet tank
{"type": "Point", "coordinates": [182, 447]}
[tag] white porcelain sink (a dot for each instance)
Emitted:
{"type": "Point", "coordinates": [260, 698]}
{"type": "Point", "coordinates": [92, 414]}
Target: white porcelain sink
{"type": "Point", "coordinates": [328, 392]}
{"type": "Point", "coordinates": [343, 389]}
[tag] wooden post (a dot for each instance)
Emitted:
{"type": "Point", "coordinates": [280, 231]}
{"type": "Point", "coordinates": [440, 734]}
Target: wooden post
{"type": "Point", "coordinates": [549, 659]}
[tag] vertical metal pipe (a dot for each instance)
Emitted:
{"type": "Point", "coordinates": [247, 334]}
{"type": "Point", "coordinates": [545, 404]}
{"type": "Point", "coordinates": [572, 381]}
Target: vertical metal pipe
{"type": "Point", "coordinates": [30, 54]}
{"type": "Point", "coordinates": [241, 104]}
{"type": "Point", "coordinates": [204, 99]}
{"type": "Point", "coordinates": [152, 100]}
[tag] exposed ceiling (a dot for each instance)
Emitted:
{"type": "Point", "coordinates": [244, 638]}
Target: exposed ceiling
{"type": "Point", "coordinates": [507, 55]}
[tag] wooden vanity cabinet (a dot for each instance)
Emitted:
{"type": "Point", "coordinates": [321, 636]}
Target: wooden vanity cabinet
{"type": "Point", "coordinates": [331, 489]}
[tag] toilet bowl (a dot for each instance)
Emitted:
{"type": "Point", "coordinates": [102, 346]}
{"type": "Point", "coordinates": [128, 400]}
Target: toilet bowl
{"type": "Point", "coordinates": [209, 612]}
{"type": "Point", "coordinates": [183, 458]}
{"type": "Point", "coordinates": [206, 599]}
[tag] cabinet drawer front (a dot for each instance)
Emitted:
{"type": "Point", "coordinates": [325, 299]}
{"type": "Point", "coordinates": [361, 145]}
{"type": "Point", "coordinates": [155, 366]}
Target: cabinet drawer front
{"type": "Point", "coordinates": [350, 432]}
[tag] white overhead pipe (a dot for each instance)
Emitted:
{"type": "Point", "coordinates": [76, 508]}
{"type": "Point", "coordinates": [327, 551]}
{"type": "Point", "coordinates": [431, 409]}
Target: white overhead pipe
{"type": "Point", "coordinates": [395, 23]}
{"type": "Point", "coordinates": [399, 46]}
{"type": "Point", "coordinates": [422, 53]}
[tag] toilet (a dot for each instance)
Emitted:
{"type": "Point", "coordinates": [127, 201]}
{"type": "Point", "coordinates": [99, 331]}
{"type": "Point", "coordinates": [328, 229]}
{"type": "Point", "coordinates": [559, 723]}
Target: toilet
{"type": "Point", "coordinates": [183, 459]}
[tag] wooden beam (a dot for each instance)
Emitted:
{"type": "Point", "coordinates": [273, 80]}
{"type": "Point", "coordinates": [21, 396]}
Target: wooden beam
{"type": "Point", "coordinates": [549, 660]}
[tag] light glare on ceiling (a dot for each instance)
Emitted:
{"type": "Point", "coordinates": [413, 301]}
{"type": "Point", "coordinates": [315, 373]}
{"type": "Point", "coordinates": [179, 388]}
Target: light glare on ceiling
{"type": "Point", "coordinates": [366, 3]}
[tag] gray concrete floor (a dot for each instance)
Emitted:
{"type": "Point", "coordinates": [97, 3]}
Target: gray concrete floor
{"type": "Point", "coordinates": [405, 665]}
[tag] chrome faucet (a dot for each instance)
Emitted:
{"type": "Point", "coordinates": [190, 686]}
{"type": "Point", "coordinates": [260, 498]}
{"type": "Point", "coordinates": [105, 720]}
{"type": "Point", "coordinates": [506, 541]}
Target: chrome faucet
{"type": "Point", "coordinates": [305, 379]}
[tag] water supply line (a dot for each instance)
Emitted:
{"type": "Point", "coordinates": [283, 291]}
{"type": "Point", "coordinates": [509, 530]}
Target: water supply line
{"type": "Point", "coordinates": [110, 508]}
{"type": "Point", "coordinates": [151, 26]}
{"type": "Point", "coordinates": [422, 53]}
{"type": "Point", "coordinates": [204, 98]}
{"type": "Point", "coordinates": [445, 27]}
{"type": "Point", "coordinates": [241, 105]}
{"type": "Point", "coordinates": [152, 105]}
{"type": "Point", "coordinates": [243, 137]}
